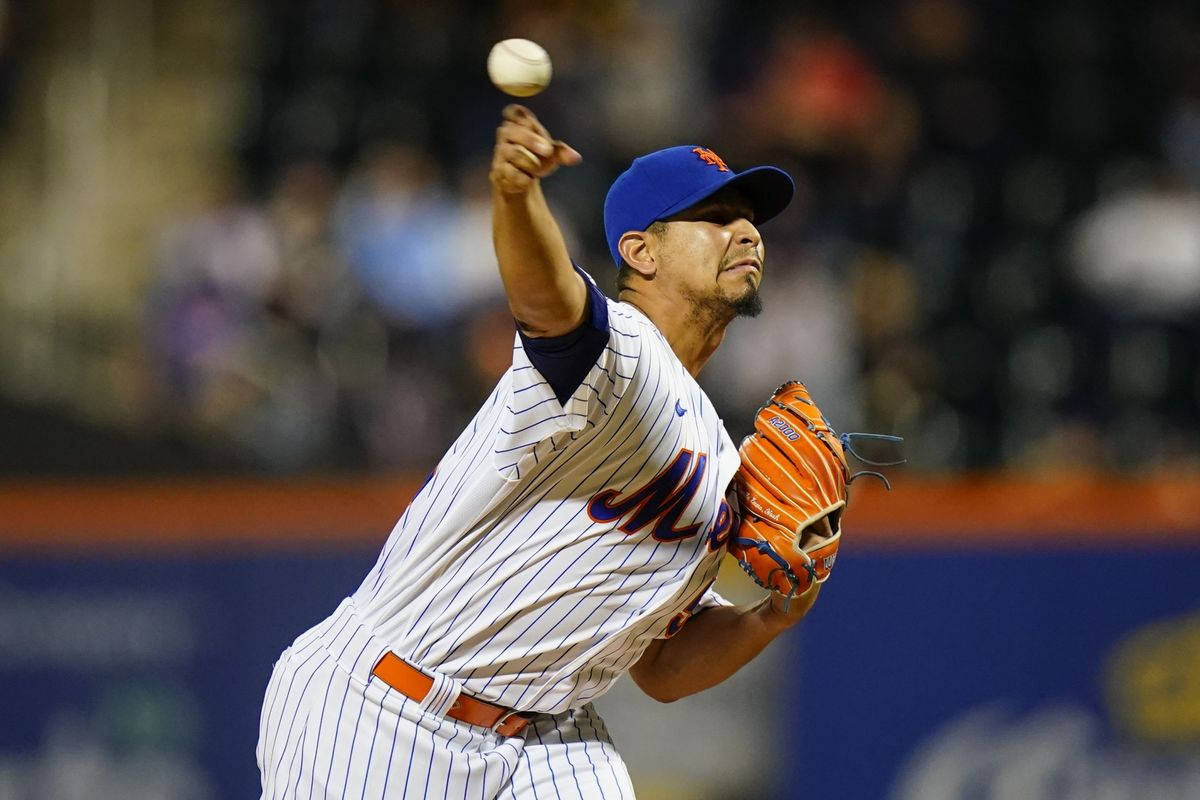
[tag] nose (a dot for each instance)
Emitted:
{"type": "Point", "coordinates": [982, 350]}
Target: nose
{"type": "Point", "coordinates": [744, 233]}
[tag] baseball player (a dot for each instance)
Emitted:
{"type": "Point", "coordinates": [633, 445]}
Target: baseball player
{"type": "Point", "coordinates": [571, 533]}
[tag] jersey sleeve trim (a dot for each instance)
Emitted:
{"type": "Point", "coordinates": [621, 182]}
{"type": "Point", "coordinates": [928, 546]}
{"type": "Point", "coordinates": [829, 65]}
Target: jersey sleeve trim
{"type": "Point", "coordinates": [566, 386]}
{"type": "Point", "coordinates": [564, 361]}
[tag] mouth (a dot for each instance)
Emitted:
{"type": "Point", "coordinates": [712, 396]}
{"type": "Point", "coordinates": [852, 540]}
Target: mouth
{"type": "Point", "coordinates": [744, 266]}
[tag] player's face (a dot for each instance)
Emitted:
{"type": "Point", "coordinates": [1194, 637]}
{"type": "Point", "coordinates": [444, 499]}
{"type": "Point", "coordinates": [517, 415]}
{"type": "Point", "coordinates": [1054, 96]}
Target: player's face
{"type": "Point", "coordinates": [713, 254]}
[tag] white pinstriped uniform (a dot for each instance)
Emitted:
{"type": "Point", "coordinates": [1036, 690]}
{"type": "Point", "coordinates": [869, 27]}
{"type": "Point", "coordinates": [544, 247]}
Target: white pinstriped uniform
{"type": "Point", "coordinates": [528, 572]}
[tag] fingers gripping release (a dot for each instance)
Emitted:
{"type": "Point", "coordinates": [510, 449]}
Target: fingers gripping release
{"type": "Point", "coordinates": [525, 152]}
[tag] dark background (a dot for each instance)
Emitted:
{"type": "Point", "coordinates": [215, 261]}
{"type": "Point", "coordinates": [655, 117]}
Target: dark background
{"type": "Point", "coordinates": [254, 237]}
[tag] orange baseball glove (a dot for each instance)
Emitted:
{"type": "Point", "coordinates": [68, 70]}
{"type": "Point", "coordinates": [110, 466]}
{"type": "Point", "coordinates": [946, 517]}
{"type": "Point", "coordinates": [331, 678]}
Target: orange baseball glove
{"type": "Point", "coordinates": [794, 474]}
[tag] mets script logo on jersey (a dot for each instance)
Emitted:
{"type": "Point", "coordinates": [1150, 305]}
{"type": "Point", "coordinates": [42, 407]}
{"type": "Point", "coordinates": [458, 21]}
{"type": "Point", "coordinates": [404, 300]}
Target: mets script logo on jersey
{"type": "Point", "coordinates": [722, 527]}
{"type": "Point", "coordinates": [661, 502]}
{"type": "Point", "coordinates": [677, 623]}
{"type": "Point", "coordinates": [709, 157]}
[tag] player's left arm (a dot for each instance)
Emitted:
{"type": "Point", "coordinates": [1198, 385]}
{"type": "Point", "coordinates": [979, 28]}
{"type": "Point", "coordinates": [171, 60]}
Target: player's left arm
{"type": "Point", "coordinates": [793, 476]}
{"type": "Point", "coordinates": [720, 640]}
{"type": "Point", "coordinates": [714, 644]}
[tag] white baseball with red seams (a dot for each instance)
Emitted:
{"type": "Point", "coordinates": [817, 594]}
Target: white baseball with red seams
{"type": "Point", "coordinates": [519, 67]}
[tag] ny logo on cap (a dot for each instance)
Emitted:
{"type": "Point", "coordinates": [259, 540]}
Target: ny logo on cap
{"type": "Point", "coordinates": [709, 157]}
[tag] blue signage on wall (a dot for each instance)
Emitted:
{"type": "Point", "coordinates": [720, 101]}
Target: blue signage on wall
{"type": "Point", "coordinates": [943, 675]}
{"type": "Point", "coordinates": [143, 678]}
{"type": "Point", "coordinates": [972, 676]}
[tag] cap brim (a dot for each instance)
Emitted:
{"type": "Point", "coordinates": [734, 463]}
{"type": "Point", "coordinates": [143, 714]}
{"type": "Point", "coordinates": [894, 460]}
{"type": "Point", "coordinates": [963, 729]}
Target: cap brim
{"type": "Point", "coordinates": [769, 190]}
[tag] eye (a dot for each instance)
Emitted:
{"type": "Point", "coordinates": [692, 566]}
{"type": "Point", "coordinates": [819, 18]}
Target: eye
{"type": "Point", "coordinates": [720, 216]}
{"type": "Point", "coordinates": [724, 215]}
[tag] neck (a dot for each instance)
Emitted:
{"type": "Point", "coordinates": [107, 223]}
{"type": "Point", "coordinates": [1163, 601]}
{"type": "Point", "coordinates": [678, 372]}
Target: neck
{"type": "Point", "coordinates": [694, 332]}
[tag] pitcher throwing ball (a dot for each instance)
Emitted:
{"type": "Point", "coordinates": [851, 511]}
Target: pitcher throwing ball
{"type": "Point", "coordinates": [572, 532]}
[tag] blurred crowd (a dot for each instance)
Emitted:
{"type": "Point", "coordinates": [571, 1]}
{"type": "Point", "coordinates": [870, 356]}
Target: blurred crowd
{"type": "Point", "coordinates": [994, 249]}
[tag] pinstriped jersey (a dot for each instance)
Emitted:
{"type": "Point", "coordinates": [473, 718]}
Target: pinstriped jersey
{"type": "Point", "coordinates": [555, 540]}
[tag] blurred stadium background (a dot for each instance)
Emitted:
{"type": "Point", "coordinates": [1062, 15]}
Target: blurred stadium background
{"type": "Point", "coordinates": [247, 296]}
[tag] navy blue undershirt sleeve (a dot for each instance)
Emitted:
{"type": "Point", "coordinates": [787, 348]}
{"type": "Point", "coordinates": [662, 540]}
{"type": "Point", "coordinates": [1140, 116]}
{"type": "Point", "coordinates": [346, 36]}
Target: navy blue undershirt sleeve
{"type": "Point", "coordinates": [565, 361]}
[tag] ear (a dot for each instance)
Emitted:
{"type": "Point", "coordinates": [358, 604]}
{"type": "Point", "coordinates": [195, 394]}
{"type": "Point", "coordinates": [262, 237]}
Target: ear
{"type": "Point", "coordinates": [634, 247]}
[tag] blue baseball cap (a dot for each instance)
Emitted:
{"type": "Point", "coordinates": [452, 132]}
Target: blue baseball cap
{"type": "Point", "coordinates": [665, 182]}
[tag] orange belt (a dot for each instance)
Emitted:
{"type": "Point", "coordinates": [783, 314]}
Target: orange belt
{"type": "Point", "coordinates": [414, 684]}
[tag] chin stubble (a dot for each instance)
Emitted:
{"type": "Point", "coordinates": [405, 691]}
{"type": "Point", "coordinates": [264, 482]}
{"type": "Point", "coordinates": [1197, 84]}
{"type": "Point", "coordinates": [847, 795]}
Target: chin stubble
{"type": "Point", "coordinates": [749, 304]}
{"type": "Point", "coordinates": [714, 306]}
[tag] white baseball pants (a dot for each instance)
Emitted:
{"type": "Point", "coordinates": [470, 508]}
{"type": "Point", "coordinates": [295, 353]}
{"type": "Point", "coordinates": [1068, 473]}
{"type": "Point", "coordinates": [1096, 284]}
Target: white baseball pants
{"type": "Point", "coordinates": [330, 729]}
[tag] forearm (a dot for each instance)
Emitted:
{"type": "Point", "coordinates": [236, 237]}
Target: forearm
{"type": "Point", "coordinates": [713, 645]}
{"type": "Point", "coordinates": [545, 294]}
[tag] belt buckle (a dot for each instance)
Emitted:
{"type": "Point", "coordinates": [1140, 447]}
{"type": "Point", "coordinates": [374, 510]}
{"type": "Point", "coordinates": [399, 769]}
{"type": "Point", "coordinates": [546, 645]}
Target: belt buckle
{"type": "Point", "coordinates": [505, 717]}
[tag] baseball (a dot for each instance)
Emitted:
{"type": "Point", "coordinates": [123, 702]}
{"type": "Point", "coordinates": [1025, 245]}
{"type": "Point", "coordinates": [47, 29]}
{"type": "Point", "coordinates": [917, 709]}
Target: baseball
{"type": "Point", "coordinates": [519, 67]}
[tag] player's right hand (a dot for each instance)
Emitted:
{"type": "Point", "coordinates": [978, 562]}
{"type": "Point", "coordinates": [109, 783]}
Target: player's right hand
{"type": "Point", "coordinates": [525, 152]}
